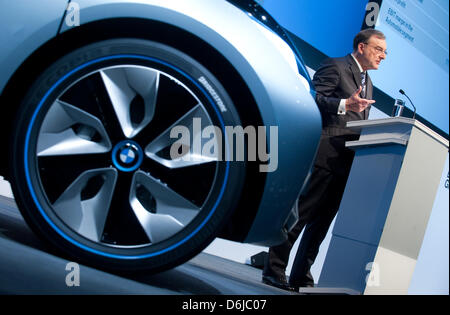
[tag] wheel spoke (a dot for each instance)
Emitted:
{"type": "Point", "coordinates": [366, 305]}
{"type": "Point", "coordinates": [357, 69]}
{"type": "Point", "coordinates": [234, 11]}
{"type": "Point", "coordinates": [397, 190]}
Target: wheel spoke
{"type": "Point", "coordinates": [165, 149]}
{"type": "Point", "coordinates": [60, 171]}
{"type": "Point", "coordinates": [166, 215]}
{"type": "Point", "coordinates": [84, 205]}
{"type": "Point", "coordinates": [94, 170]}
{"type": "Point", "coordinates": [68, 130]}
{"type": "Point", "coordinates": [132, 91]}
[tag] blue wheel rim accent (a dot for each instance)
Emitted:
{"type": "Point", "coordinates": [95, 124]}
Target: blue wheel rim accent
{"type": "Point", "coordinates": [56, 228]}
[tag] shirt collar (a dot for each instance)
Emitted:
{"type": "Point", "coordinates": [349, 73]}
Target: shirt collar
{"type": "Point", "coordinates": [359, 66]}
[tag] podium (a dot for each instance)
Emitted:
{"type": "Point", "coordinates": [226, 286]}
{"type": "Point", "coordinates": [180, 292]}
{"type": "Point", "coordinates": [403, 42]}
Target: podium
{"type": "Point", "coordinates": [386, 205]}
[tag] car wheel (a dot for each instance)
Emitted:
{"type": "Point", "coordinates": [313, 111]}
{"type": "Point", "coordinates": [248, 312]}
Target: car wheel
{"type": "Point", "coordinates": [92, 156]}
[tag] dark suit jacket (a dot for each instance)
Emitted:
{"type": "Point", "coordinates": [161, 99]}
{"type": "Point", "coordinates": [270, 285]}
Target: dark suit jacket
{"type": "Point", "coordinates": [336, 79]}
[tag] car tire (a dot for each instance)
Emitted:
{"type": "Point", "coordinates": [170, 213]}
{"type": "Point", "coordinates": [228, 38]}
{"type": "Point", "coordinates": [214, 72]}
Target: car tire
{"type": "Point", "coordinates": [90, 164]}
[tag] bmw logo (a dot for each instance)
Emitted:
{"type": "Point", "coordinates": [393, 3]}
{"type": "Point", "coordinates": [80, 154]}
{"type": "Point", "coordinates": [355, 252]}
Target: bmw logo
{"type": "Point", "coordinates": [127, 156]}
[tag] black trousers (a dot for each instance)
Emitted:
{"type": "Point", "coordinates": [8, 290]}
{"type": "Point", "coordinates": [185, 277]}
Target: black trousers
{"type": "Point", "coordinates": [317, 208]}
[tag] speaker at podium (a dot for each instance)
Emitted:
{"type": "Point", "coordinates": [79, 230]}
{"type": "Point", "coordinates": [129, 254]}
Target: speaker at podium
{"type": "Point", "coordinates": [386, 206]}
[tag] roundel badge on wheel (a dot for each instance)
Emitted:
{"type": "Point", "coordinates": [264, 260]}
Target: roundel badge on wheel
{"type": "Point", "coordinates": [127, 156]}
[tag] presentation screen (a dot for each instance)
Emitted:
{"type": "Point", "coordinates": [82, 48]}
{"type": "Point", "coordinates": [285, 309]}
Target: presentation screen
{"type": "Point", "coordinates": [418, 58]}
{"type": "Point", "coordinates": [417, 41]}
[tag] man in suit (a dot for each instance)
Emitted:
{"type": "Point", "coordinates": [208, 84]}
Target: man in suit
{"type": "Point", "coordinates": [344, 92]}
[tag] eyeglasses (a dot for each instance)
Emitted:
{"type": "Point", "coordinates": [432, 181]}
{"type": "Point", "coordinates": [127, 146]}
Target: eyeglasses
{"type": "Point", "coordinates": [378, 49]}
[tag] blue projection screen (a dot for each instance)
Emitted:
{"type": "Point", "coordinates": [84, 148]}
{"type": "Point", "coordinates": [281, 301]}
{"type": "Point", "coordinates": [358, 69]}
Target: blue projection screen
{"type": "Point", "coordinates": [417, 39]}
{"type": "Point", "coordinates": [418, 60]}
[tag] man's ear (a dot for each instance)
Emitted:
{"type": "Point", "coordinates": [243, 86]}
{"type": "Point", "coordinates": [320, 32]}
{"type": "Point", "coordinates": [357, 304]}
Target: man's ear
{"type": "Point", "coordinates": [360, 48]}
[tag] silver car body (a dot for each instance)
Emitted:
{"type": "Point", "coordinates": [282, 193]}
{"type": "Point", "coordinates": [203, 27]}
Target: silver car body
{"type": "Point", "coordinates": [264, 61]}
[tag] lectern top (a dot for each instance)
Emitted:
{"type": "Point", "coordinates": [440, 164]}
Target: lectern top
{"type": "Point", "coordinates": [396, 121]}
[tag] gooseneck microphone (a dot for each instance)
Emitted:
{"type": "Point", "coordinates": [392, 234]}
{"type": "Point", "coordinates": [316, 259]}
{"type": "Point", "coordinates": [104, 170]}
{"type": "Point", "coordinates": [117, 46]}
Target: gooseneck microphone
{"type": "Point", "coordinates": [403, 93]}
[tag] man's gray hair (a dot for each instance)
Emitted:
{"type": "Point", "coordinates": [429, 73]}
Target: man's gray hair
{"type": "Point", "coordinates": [365, 35]}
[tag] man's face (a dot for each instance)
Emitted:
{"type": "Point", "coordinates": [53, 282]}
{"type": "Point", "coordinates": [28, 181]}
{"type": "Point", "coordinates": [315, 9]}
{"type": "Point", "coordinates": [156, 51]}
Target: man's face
{"type": "Point", "coordinates": [372, 53]}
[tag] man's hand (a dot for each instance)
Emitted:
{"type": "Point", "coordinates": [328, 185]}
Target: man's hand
{"type": "Point", "coordinates": [356, 103]}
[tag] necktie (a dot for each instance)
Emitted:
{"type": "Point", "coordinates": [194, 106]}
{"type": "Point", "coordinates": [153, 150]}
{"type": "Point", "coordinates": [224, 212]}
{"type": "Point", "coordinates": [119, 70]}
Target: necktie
{"type": "Point", "coordinates": [363, 84]}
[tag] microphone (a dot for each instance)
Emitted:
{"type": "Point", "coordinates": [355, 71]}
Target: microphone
{"type": "Point", "coordinates": [403, 93]}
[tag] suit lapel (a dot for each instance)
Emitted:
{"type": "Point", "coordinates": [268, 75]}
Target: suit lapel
{"type": "Point", "coordinates": [354, 70]}
{"type": "Point", "coordinates": [369, 87]}
{"type": "Point", "coordinates": [369, 95]}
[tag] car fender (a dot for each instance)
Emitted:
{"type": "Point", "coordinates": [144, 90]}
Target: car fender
{"type": "Point", "coordinates": [26, 25]}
